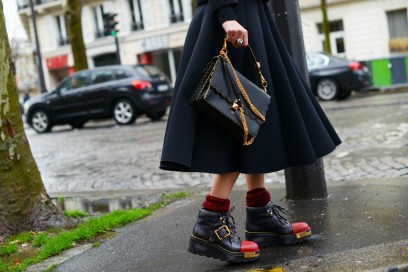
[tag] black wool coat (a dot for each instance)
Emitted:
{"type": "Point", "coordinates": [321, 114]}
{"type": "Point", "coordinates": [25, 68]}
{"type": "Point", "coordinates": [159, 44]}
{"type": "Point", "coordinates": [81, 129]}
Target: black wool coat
{"type": "Point", "coordinates": [297, 131]}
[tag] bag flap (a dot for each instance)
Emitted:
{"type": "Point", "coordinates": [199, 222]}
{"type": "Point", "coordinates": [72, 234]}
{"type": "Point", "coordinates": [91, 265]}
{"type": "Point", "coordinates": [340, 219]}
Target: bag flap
{"type": "Point", "coordinates": [220, 82]}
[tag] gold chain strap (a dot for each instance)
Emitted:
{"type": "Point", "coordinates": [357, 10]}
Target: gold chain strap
{"type": "Point", "coordinates": [224, 54]}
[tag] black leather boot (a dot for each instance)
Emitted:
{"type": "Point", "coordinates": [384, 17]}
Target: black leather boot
{"type": "Point", "coordinates": [266, 226]}
{"type": "Point", "coordinates": [215, 236]}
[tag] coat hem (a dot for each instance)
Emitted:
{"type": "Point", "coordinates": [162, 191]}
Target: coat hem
{"type": "Point", "coordinates": [172, 165]}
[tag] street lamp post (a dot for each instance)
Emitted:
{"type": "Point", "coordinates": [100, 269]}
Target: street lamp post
{"type": "Point", "coordinates": [38, 49]}
{"type": "Point", "coordinates": [304, 182]}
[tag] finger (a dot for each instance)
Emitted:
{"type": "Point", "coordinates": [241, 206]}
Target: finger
{"type": "Point", "coordinates": [245, 38]}
{"type": "Point", "coordinates": [232, 36]}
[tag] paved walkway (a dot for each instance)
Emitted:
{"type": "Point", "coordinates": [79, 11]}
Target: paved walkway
{"type": "Point", "coordinates": [361, 226]}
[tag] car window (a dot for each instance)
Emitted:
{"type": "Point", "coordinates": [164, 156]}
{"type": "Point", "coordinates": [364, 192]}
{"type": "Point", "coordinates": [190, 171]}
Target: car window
{"type": "Point", "coordinates": [316, 60]}
{"type": "Point", "coordinates": [101, 76]}
{"type": "Point", "coordinates": [147, 71]}
{"type": "Point", "coordinates": [121, 74]}
{"type": "Point", "coordinates": [74, 82]}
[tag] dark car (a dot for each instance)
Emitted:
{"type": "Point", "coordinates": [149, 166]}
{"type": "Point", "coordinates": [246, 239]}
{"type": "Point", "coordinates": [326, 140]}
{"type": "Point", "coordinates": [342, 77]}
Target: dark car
{"type": "Point", "coordinates": [121, 92]}
{"type": "Point", "coordinates": [335, 78]}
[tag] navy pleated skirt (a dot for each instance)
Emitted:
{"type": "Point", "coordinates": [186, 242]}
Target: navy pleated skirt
{"type": "Point", "coordinates": [297, 131]}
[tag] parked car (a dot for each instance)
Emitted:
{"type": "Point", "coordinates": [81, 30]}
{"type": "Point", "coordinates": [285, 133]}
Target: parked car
{"type": "Point", "coordinates": [121, 92]}
{"type": "Point", "coordinates": [334, 78]}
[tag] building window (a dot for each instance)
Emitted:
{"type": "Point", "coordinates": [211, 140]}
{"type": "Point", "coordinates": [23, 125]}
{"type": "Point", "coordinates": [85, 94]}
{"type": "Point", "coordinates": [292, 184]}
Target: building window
{"type": "Point", "coordinates": [98, 21]}
{"type": "Point", "coordinates": [398, 23]}
{"type": "Point", "coordinates": [62, 30]}
{"type": "Point", "coordinates": [398, 29]}
{"type": "Point", "coordinates": [136, 14]}
{"type": "Point", "coordinates": [336, 37]}
{"type": "Point", "coordinates": [176, 11]}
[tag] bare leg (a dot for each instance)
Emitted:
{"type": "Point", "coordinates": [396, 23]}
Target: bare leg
{"type": "Point", "coordinates": [254, 181]}
{"type": "Point", "coordinates": [222, 184]}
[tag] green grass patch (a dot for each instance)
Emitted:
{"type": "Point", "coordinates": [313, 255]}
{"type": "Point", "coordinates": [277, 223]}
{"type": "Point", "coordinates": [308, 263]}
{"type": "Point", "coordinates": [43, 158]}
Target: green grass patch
{"type": "Point", "coordinates": [3, 266]}
{"type": "Point", "coordinates": [8, 250]}
{"type": "Point", "coordinates": [21, 238]}
{"type": "Point", "coordinates": [52, 267]}
{"type": "Point", "coordinates": [76, 214]}
{"type": "Point", "coordinates": [40, 239]}
{"type": "Point", "coordinates": [55, 242]}
{"type": "Point", "coordinates": [96, 244]}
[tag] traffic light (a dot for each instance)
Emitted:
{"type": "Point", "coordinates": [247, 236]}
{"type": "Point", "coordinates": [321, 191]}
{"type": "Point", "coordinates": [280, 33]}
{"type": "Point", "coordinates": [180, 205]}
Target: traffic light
{"type": "Point", "coordinates": [109, 24]}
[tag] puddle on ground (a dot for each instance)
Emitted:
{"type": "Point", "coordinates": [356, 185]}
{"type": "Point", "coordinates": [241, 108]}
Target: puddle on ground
{"type": "Point", "coordinates": [96, 205]}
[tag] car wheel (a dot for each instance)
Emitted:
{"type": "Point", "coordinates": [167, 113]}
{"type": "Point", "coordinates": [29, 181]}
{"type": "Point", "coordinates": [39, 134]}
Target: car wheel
{"type": "Point", "coordinates": [40, 121]}
{"type": "Point", "coordinates": [78, 124]}
{"type": "Point", "coordinates": [327, 89]}
{"type": "Point", "coordinates": [157, 115]}
{"type": "Point", "coordinates": [124, 112]}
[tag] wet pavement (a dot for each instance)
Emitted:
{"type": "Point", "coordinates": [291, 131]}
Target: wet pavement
{"type": "Point", "coordinates": [105, 158]}
{"type": "Point", "coordinates": [361, 226]}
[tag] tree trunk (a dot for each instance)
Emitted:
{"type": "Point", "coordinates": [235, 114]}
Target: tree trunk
{"type": "Point", "coordinates": [325, 27]}
{"type": "Point", "coordinates": [193, 5]}
{"type": "Point", "coordinates": [73, 13]}
{"type": "Point", "coordinates": [24, 203]}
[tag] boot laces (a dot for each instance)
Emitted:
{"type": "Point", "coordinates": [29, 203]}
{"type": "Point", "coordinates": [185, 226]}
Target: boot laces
{"type": "Point", "coordinates": [228, 220]}
{"type": "Point", "coordinates": [277, 210]}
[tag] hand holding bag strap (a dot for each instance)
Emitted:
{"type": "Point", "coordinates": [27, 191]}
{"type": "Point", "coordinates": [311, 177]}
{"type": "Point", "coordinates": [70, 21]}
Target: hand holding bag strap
{"type": "Point", "coordinates": [224, 52]}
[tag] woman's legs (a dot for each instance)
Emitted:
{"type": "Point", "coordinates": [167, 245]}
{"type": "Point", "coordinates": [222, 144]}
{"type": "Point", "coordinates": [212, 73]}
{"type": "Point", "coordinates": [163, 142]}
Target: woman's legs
{"type": "Point", "coordinates": [255, 181]}
{"type": "Point", "coordinates": [222, 184]}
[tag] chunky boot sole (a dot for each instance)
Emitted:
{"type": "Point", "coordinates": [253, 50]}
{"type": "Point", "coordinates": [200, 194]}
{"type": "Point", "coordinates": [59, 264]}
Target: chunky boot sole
{"type": "Point", "coordinates": [269, 238]}
{"type": "Point", "coordinates": [204, 248]}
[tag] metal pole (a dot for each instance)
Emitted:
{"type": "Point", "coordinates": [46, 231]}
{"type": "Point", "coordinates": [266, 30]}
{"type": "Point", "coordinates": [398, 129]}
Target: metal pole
{"type": "Point", "coordinates": [38, 50]}
{"type": "Point", "coordinates": [117, 50]}
{"type": "Point", "coordinates": [303, 182]}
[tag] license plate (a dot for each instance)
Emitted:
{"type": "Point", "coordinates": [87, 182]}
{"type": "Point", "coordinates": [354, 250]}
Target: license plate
{"type": "Point", "coordinates": [162, 88]}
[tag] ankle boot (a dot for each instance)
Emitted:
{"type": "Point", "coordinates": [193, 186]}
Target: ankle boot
{"type": "Point", "coordinates": [266, 226]}
{"type": "Point", "coordinates": [215, 236]}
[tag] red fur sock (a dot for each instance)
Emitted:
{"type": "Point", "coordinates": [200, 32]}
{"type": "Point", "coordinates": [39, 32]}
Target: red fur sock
{"type": "Point", "coordinates": [258, 197]}
{"type": "Point", "coordinates": [215, 204]}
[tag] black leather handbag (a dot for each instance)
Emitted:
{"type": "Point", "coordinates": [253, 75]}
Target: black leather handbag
{"type": "Point", "coordinates": [230, 99]}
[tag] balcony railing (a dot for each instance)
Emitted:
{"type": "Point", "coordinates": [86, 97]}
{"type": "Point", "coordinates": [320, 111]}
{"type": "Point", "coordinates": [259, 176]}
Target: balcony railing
{"type": "Point", "coordinates": [26, 4]}
{"type": "Point", "coordinates": [137, 26]}
{"type": "Point", "coordinates": [174, 18]}
{"type": "Point", "coordinates": [63, 41]}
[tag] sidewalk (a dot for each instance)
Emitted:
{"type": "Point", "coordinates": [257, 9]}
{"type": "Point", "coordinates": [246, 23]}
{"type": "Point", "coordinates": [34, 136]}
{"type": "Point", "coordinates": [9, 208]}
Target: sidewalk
{"type": "Point", "coordinates": [361, 226]}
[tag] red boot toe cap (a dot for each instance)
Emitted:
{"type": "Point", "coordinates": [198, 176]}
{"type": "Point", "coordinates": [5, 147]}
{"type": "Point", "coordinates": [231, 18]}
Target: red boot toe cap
{"type": "Point", "coordinates": [300, 227]}
{"type": "Point", "coordinates": [248, 246]}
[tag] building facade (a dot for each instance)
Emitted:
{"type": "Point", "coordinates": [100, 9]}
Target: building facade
{"type": "Point", "coordinates": [153, 31]}
{"type": "Point", "coordinates": [359, 29]}
{"type": "Point", "coordinates": [150, 31]}
{"type": "Point", "coordinates": [373, 31]}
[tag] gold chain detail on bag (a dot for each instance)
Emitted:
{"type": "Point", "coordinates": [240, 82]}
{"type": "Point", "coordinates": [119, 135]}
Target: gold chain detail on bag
{"type": "Point", "coordinates": [224, 54]}
{"type": "Point", "coordinates": [244, 125]}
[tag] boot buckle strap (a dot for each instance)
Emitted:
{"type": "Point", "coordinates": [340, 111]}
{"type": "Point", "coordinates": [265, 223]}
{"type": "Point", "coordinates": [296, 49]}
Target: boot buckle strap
{"type": "Point", "coordinates": [223, 232]}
